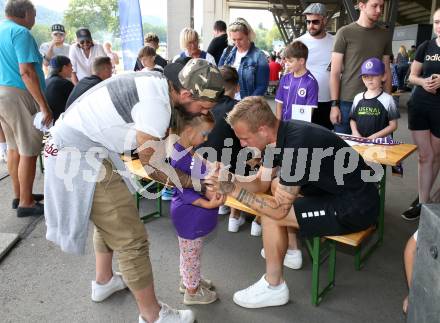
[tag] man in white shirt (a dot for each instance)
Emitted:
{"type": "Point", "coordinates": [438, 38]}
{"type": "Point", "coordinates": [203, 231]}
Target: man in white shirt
{"type": "Point", "coordinates": [320, 45]}
{"type": "Point", "coordinates": [83, 54]}
{"type": "Point", "coordinates": [84, 174]}
{"type": "Point", "coordinates": [56, 47]}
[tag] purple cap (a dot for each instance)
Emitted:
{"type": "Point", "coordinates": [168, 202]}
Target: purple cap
{"type": "Point", "coordinates": [373, 66]}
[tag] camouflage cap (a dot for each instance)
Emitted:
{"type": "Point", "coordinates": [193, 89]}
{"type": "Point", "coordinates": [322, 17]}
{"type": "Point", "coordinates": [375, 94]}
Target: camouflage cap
{"type": "Point", "coordinates": [202, 79]}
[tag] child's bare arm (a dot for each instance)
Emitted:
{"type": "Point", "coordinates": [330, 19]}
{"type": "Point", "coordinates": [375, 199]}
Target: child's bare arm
{"type": "Point", "coordinates": [201, 202]}
{"type": "Point", "coordinates": [392, 126]}
{"type": "Point", "coordinates": [213, 203]}
{"type": "Point", "coordinates": [279, 110]}
{"type": "Point", "coordinates": [354, 129]}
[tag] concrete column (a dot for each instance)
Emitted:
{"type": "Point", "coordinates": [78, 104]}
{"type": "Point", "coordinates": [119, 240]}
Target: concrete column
{"type": "Point", "coordinates": [179, 16]}
{"type": "Point", "coordinates": [433, 9]}
{"type": "Point", "coordinates": [213, 10]}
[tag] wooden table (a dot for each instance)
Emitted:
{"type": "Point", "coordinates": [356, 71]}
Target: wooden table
{"type": "Point", "coordinates": [389, 155]}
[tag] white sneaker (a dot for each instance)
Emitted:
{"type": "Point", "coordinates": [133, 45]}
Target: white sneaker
{"type": "Point", "coordinates": [261, 294]}
{"type": "Point", "coordinates": [234, 224]}
{"type": "Point", "coordinates": [101, 292]}
{"type": "Point", "coordinates": [3, 156]}
{"type": "Point", "coordinates": [170, 315]}
{"type": "Point", "coordinates": [223, 210]}
{"type": "Point", "coordinates": [255, 229]}
{"type": "Point", "coordinates": [292, 259]}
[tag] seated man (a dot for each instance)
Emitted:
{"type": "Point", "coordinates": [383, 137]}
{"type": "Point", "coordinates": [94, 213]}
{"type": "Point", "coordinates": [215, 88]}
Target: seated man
{"type": "Point", "coordinates": [339, 194]}
{"type": "Point", "coordinates": [101, 70]}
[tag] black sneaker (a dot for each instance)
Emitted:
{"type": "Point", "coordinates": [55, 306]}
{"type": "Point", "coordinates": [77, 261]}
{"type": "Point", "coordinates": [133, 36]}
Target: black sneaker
{"type": "Point", "coordinates": [37, 198]}
{"type": "Point", "coordinates": [415, 202]}
{"type": "Point", "coordinates": [412, 213]}
{"type": "Point", "coordinates": [36, 210]}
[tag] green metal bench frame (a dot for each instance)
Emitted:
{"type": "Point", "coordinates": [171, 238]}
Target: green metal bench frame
{"type": "Point", "coordinates": [158, 212]}
{"type": "Point", "coordinates": [322, 250]}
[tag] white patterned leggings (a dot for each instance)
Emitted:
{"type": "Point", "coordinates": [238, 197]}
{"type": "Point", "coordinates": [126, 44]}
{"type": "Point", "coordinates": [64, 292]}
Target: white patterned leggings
{"type": "Point", "coordinates": [190, 261]}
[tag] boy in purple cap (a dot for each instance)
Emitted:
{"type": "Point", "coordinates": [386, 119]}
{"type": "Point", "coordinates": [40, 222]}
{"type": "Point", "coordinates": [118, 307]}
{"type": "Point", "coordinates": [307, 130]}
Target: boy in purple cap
{"type": "Point", "coordinates": [194, 216]}
{"type": "Point", "coordinates": [374, 113]}
{"type": "Point", "coordinates": [298, 91]}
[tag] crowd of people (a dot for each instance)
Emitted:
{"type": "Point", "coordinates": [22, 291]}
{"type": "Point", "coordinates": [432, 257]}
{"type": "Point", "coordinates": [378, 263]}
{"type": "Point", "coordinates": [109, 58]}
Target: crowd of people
{"type": "Point", "coordinates": [188, 120]}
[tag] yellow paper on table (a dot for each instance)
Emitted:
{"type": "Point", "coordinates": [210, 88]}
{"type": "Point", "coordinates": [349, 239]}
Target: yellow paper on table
{"type": "Point", "coordinates": [302, 112]}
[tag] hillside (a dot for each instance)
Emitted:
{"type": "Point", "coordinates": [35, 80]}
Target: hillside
{"type": "Point", "coordinates": [44, 16]}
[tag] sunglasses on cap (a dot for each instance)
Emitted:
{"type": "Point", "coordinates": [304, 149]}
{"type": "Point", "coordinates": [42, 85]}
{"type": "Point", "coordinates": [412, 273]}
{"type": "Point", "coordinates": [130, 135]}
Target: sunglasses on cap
{"type": "Point", "coordinates": [239, 23]}
{"type": "Point", "coordinates": [313, 22]}
{"type": "Point", "coordinates": [85, 41]}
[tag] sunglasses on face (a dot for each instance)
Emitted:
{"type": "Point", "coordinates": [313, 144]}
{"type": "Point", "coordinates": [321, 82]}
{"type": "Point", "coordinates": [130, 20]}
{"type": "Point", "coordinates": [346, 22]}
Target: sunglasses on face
{"type": "Point", "coordinates": [313, 22]}
{"type": "Point", "coordinates": [82, 42]}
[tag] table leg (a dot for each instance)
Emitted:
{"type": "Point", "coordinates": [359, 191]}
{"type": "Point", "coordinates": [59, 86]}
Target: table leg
{"type": "Point", "coordinates": [381, 220]}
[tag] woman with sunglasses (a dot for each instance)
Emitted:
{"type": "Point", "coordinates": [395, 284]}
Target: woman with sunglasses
{"type": "Point", "coordinates": [248, 60]}
{"type": "Point", "coordinates": [83, 54]}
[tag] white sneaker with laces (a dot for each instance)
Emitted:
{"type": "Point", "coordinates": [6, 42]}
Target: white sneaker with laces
{"type": "Point", "coordinates": [171, 315]}
{"type": "Point", "coordinates": [261, 294]}
{"type": "Point", "coordinates": [234, 224]}
{"type": "Point", "coordinates": [102, 292]}
{"type": "Point", "coordinates": [223, 210]}
{"type": "Point", "coordinates": [292, 259]}
{"type": "Point", "coordinates": [256, 229]}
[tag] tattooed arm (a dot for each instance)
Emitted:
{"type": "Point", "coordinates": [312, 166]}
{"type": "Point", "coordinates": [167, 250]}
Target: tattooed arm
{"type": "Point", "coordinates": [152, 154]}
{"type": "Point", "coordinates": [276, 207]}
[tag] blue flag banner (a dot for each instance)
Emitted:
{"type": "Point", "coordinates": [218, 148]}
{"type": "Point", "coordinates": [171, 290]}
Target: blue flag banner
{"type": "Point", "coordinates": [130, 21]}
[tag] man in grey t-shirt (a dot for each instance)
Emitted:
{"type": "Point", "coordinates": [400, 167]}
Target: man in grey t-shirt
{"type": "Point", "coordinates": [354, 44]}
{"type": "Point", "coordinates": [56, 46]}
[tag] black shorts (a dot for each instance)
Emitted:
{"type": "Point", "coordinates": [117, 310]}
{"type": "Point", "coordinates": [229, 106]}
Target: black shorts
{"type": "Point", "coordinates": [326, 214]}
{"type": "Point", "coordinates": [423, 117]}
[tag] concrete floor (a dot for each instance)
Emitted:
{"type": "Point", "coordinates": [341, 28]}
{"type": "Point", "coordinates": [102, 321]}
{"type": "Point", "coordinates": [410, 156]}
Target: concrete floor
{"type": "Point", "coordinates": [40, 283]}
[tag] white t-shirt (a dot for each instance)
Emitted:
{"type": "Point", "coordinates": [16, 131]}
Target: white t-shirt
{"type": "Point", "coordinates": [82, 65]}
{"type": "Point", "coordinates": [57, 51]}
{"type": "Point", "coordinates": [320, 52]}
{"type": "Point", "coordinates": [236, 65]}
{"type": "Point", "coordinates": [111, 112]}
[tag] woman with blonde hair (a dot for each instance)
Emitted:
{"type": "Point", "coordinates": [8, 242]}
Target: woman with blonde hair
{"type": "Point", "coordinates": [248, 60]}
{"type": "Point", "coordinates": [402, 61]}
{"type": "Point", "coordinates": [189, 43]}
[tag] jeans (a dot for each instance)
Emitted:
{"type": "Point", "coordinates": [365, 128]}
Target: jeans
{"type": "Point", "coordinates": [344, 126]}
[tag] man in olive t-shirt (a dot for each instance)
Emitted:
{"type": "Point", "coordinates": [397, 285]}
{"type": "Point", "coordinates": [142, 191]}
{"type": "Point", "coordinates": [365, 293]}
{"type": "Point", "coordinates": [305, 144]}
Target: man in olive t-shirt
{"type": "Point", "coordinates": [354, 44]}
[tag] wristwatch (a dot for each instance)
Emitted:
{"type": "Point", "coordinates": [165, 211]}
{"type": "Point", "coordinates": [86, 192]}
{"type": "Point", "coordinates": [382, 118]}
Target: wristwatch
{"type": "Point", "coordinates": [335, 103]}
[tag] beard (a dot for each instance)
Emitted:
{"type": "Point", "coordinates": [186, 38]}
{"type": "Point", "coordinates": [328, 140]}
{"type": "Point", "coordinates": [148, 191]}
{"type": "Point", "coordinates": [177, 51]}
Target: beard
{"type": "Point", "coordinates": [316, 32]}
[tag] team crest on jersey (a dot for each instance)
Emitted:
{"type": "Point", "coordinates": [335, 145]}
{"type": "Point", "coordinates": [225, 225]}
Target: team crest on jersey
{"type": "Point", "coordinates": [302, 92]}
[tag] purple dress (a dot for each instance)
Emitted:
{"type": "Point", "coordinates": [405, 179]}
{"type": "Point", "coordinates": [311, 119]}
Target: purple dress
{"type": "Point", "coordinates": [191, 222]}
{"type": "Point", "coordinates": [301, 90]}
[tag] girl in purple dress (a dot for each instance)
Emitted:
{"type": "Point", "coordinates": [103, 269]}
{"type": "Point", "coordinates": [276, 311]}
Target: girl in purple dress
{"type": "Point", "coordinates": [193, 215]}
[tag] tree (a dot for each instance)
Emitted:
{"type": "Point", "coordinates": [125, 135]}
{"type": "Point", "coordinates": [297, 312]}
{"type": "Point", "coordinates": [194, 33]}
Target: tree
{"type": "Point", "coordinates": [265, 38]}
{"type": "Point", "coordinates": [160, 31]}
{"type": "Point", "coordinates": [41, 33]}
{"type": "Point", "coordinates": [97, 15]}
